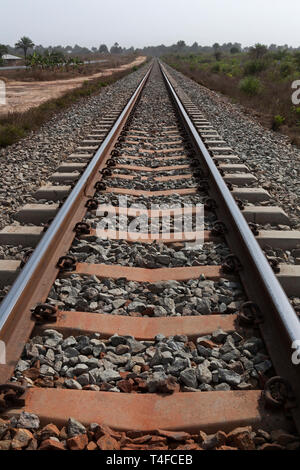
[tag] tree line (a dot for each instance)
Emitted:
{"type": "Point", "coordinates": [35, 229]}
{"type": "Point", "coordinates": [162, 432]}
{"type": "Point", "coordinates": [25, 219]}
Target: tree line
{"type": "Point", "coordinates": [27, 46]}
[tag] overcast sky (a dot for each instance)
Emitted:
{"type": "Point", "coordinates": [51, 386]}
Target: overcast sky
{"type": "Point", "coordinates": [139, 23]}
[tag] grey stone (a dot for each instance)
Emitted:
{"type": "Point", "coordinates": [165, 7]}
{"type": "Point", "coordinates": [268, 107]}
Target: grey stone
{"type": "Point", "coordinates": [155, 381]}
{"type": "Point", "coordinates": [22, 365]}
{"type": "Point", "coordinates": [28, 421]}
{"type": "Point", "coordinates": [83, 379]}
{"type": "Point", "coordinates": [244, 386]}
{"type": "Point", "coordinates": [80, 369]}
{"type": "Point", "coordinates": [204, 374]}
{"type": "Point", "coordinates": [73, 384]}
{"type": "Point", "coordinates": [70, 341]}
{"type": "Point", "coordinates": [215, 376]}
{"type": "Point", "coordinates": [203, 307]}
{"type": "Point", "coordinates": [205, 388]}
{"type": "Point", "coordinates": [135, 346]}
{"type": "Point", "coordinates": [47, 370]}
{"type": "Point", "coordinates": [122, 349]}
{"type": "Point", "coordinates": [166, 357]}
{"type": "Point", "coordinates": [58, 366]}
{"type": "Point", "coordinates": [229, 376]}
{"type": "Point", "coordinates": [222, 387]}
{"type": "Point", "coordinates": [116, 340]}
{"type": "Point", "coordinates": [159, 337]}
{"type": "Point", "coordinates": [109, 375]}
{"type": "Point", "coordinates": [116, 359]}
{"type": "Point", "coordinates": [205, 352]}
{"type": "Point", "coordinates": [189, 378]}
{"type": "Point", "coordinates": [53, 334]}
{"type": "Point", "coordinates": [50, 355]}
{"type": "Point", "coordinates": [118, 303]}
{"type": "Point", "coordinates": [156, 359]}
{"type": "Point", "coordinates": [210, 442]}
{"type": "Point", "coordinates": [163, 259]}
{"type": "Point", "coordinates": [160, 311]}
{"type": "Point", "coordinates": [136, 307]}
{"type": "Point", "coordinates": [219, 335]}
{"type": "Point", "coordinates": [92, 362]}
{"type": "Point", "coordinates": [170, 304]}
{"type": "Point", "coordinates": [83, 359]}
{"type": "Point", "coordinates": [178, 365]}
{"type": "Point", "coordinates": [71, 352]}
{"type": "Point", "coordinates": [74, 428]}
{"type": "Point", "coordinates": [231, 355]}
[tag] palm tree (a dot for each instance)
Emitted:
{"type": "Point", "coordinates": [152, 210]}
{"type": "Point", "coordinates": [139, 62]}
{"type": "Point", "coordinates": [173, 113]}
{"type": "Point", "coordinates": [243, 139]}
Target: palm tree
{"type": "Point", "coordinates": [24, 43]}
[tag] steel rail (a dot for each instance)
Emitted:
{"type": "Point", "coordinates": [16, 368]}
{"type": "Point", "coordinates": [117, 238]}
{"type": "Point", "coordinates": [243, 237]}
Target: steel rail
{"type": "Point", "coordinates": [28, 274]}
{"type": "Point", "coordinates": [281, 326]}
{"type": "Point", "coordinates": [60, 402]}
{"type": "Point", "coordinates": [290, 321]}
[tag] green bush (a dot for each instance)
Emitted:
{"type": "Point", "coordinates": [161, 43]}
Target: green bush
{"type": "Point", "coordinates": [250, 85]}
{"type": "Point", "coordinates": [205, 60]}
{"type": "Point", "coordinates": [253, 67]}
{"type": "Point", "coordinates": [10, 134]}
{"type": "Point", "coordinates": [236, 70]}
{"type": "Point", "coordinates": [286, 69]}
{"type": "Point", "coordinates": [225, 68]}
{"type": "Point", "coordinates": [278, 120]}
{"type": "Point", "coordinates": [297, 58]}
{"type": "Point", "coordinates": [216, 68]}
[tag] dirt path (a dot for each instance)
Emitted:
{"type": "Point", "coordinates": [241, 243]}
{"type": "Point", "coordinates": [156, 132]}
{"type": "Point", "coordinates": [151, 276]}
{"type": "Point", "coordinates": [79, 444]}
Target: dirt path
{"type": "Point", "coordinates": [21, 96]}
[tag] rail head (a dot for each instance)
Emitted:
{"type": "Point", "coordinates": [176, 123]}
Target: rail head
{"type": "Point", "coordinates": [280, 326]}
{"type": "Point", "coordinates": [271, 285]}
{"type": "Point", "coordinates": [29, 272]}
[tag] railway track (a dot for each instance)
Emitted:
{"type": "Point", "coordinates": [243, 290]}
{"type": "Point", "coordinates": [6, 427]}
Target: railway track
{"type": "Point", "coordinates": [170, 328]}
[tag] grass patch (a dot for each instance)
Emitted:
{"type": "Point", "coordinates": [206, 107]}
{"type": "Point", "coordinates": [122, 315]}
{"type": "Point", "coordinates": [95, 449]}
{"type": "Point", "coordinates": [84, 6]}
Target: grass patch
{"type": "Point", "coordinates": [277, 122]}
{"type": "Point", "coordinates": [262, 85]}
{"type": "Point", "coordinates": [250, 85]}
{"type": "Point", "coordinates": [10, 133]}
{"type": "Point", "coordinates": [15, 126]}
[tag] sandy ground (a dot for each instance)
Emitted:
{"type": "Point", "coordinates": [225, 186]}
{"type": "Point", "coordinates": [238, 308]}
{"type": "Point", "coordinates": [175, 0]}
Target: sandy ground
{"type": "Point", "coordinates": [21, 96]}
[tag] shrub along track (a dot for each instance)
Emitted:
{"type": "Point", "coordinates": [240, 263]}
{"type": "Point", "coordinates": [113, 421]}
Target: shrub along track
{"type": "Point", "coordinates": [168, 344]}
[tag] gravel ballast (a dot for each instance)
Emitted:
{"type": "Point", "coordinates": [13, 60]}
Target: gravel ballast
{"type": "Point", "coordinates": [154, 255]}
{"type": "Point", "coordinates": [220, 361]}
{"type": "Point", "coordinates": [25, 432]}
{"type": "Point", "coordinates": [28, 163]}
{"type": "Point", "coordinates": [269, 155]}
{"type": "Point", "coordinates": [158, 299]}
